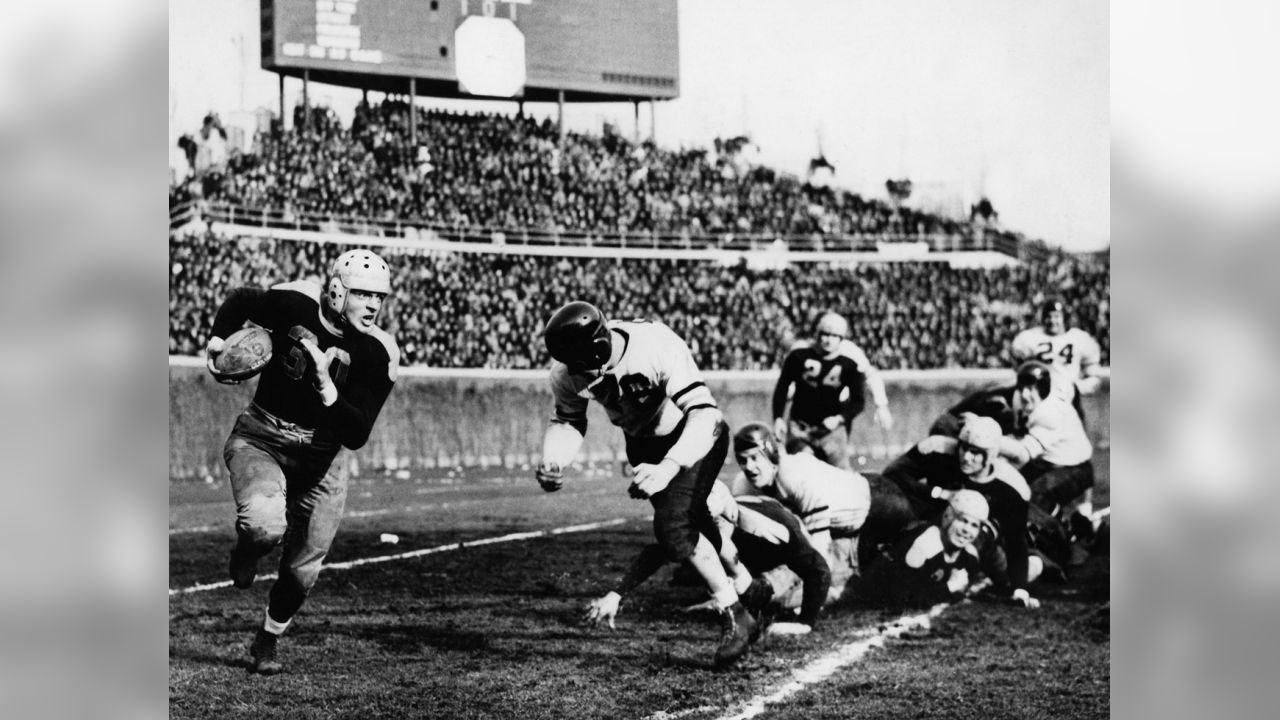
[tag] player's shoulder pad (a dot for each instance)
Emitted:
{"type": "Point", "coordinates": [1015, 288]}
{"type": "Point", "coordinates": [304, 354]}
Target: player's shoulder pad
{"type": "Point", "coordinates": [926, 545]}
{"type": "Point", "coordinates": [393, 351]}
{"type": "Point", "coordinates": [305, 287]}
{"type": "Point", "coordinates": [1009, 475]}
{"type": "Point", "coordinates": [854, 352]}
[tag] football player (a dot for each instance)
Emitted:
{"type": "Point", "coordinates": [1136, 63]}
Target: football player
{"type": "Point", "coordinates": [773, 545]}
{"type": "Point", "coordinates": [331, 370]}
{"type": "Point", "coordinates": [931, 562]}
{"type": "Point", "coordinates": [1072, 354]}
{"type": "Point", "coordinates": [676, 439]}
{"type": "Point", "coordinates": [826, 382]}
{"type": "Point", "coordinates": [833, 503]}
{"type": "Point", "coordinates": [1052, 448]}
{"type": "Point", "coordinates": [938, 466]}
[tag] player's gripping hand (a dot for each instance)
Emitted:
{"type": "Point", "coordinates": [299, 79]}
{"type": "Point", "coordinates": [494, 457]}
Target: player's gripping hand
{"type": "Point", "coordinates": [212, 350]}
{"type": "Point", "coordinates": [831, 422]}
{"type": "Point", "coordinates": [1023, 598]}
{"type": "Point", "coordinates": [652, 479]}
{"type": "Point", "coordinates": [603, 610]}
{"type": "Point", "coordinates": [320, 371]}
{"type": "Point", "coordinates": [550, 476]}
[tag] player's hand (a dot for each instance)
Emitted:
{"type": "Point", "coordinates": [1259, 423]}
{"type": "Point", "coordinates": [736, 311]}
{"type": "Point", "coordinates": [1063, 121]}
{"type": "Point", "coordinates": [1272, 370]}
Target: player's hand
{"type": "Point", "coordinates": [1023, 598]}
{"type": "Point", "coordinates": [550, 476]}
{"type": "Point", "coordinates": [832, 422]}
{"type": "Point", "coordinates": [943, 494]}
{"type": "Point", "coordinates": [968, 417]}
{"type": "Point", "coordinates": [653, 479]}
{"type": "Point", "coordinates": [603, 610]}
{"type": "Point", "coordinates": [780, 430]}
{"type": "Point", "coordinates": [884, 418]}
{"type": "Point", "coordinates": [959, 581]}
{"type": "Point", "coordinates": [212, 350]}
{"type": "Point", "coordinates": [790, 628]}
{"type": "Point", "coordinates": [319, 368]}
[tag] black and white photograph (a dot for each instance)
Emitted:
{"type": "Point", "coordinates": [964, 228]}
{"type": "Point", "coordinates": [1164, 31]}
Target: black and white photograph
{"type": "Point", "coordinates": [667, 360]}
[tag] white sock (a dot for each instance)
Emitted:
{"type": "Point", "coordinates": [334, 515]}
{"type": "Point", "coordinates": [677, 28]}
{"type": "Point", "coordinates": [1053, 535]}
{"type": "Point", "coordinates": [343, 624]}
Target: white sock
{"type": "Point", "coordinates": [707, 563]}
{"type": "Point", "coordinates": [272, 626]}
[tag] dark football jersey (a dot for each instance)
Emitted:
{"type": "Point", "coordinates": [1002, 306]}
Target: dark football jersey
{"type": "Point", "coordinates": [761, 555]}
{"type": "Point", "coordinates": [363, 367]}
{"type": "Point", "coordinates": [824, 386]}
{"type": "Point", "coordinates": [933, 463]}
{"type": "Point", "coordinates": [917, 567]}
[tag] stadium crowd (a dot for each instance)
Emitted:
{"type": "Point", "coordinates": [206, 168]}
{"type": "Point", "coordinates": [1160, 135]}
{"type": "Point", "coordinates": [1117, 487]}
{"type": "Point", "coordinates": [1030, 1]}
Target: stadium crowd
{"type": "Point", "coordinates": [487, 171]}
{"type": "Point", "coordinates": [488, 310]}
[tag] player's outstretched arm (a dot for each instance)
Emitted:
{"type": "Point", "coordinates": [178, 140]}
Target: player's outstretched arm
{"type": "Point", "coordinates": [560, 446]}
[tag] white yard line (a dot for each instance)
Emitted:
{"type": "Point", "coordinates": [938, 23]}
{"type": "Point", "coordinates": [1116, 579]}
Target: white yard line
{"type": "Point", "coordinates": [827, 665]}
{"type": "Point", "coordinates": [513, 537]}
{"type": "Point", "coordinates": [229, 527]}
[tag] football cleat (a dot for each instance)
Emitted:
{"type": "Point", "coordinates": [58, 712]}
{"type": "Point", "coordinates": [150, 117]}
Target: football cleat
{"type": "Point", "coordinates": [243, 567]}
{"type": "Point", "coordinates": [263, 651]}
{"type": "Point", "coordinates": [736, 628]}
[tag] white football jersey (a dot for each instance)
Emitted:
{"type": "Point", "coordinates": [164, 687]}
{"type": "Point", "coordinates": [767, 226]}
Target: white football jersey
{"type": "Point", "coordinates": [647, 393]}
{"type": "Point", "coordinates": [1054, 432]}
{"type": "Point", "coordinates": [1066, 354]}
{"type": "Point", "coordinates": [821, 495]}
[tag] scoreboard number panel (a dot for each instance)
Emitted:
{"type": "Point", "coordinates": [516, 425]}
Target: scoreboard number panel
{"type": "Point", "coordinates": [534, 49]}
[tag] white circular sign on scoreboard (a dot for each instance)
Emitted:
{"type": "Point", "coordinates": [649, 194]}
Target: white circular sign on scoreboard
{"type": "Point", "coordinates": [490, 56]}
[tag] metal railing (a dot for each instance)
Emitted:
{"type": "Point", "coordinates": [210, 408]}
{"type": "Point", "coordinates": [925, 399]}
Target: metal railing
{"type": "Point", "coordinates": [727, 241]}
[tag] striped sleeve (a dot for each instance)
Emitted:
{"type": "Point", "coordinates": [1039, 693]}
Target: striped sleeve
{"type": "Point", "coordinates": [684, 382]}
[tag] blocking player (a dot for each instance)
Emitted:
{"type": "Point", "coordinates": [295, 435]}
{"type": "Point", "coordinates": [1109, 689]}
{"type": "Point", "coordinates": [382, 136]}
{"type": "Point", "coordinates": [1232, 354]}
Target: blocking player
{"type": "Point", "coordinates": [833, 503]}
{"type": "Point", "coordinates": [770, 541]}
{"type": "Point", "coordinates": [931, 562]}
{"type": "Point", "coordinates": [676, 439]}
{"type": "Point", "coordinates": [939, 466]}
{"type": "Point", "coordinates": [331, 370]}
{"type": "Point", "coordinates": [1072, 354]}
{"type": "Point", "coordinates": [1052, 448]}
{"type": "Point", "coordinates": [829, 380]}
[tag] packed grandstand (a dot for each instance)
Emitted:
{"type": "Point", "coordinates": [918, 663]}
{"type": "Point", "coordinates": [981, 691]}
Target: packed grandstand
{"type": "Point", "coordinates": [495, 176]}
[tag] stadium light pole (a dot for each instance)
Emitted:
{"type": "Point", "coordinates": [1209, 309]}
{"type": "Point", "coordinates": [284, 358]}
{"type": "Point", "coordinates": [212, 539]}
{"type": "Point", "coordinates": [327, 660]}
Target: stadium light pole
{"type": "Point", "coordinates": [560, 118]}
{"type": "Point", "coordinates": [635, 105]}
{"type": "Point", "coordinates": [413, 112]}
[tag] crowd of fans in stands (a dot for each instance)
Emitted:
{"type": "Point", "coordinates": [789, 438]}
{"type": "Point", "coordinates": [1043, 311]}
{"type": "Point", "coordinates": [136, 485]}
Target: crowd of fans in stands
{"type": "Point", "coordinates": [488, 171]}
{"type": "Point", "coordinates": [488, 310]}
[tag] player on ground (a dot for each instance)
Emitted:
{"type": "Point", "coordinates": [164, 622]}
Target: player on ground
{"type": "Point", "coordinates": [770, 541]}
{"type": "Point", "coordinates": [331, 370]}
{"type": "Point", "coordinates": [938, 466]}
{"type": "Point", "coordinates": [676, 439]}
{"type": "Point", "coordinates": [932, 562]}
{"type": "Point", "coordinates": [1072, 354]}
{"type": "Point", "coordinates": [833, 503]}
{"type": "Point", "coordinates": [829, 378]}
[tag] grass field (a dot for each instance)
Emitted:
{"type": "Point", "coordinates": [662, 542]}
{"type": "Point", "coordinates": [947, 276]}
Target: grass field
{"type": "Point", "coordinates": [492, 630]}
